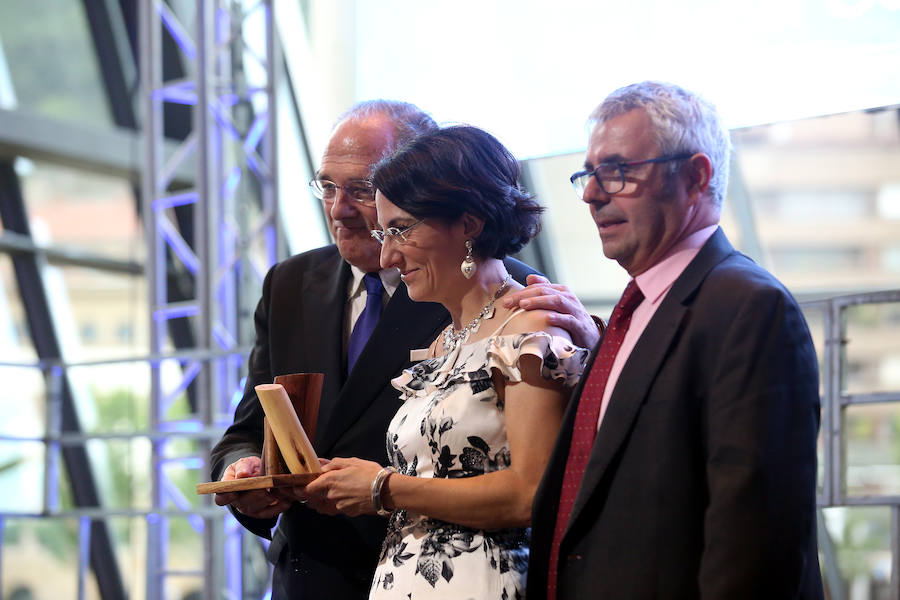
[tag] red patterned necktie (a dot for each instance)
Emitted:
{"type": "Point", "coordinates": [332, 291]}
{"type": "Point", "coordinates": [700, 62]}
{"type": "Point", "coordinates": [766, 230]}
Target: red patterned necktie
{"type": "Point", "coordinates": [585, 429]}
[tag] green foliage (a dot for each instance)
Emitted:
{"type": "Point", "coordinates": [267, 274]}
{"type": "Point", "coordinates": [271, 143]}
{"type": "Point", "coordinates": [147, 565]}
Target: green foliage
{"type": "Point", "coordinates": [865, 534]}
{"type": "Point", "coordinates": [59, 537]}
{"type": "Point", "coordinates": [11, 464]}
{"type": "Point", "coordinates": [121, 410]}
{"type": "Point", "coordinates": [859, 427]}
{"type": "Point", "coordinates": [895, 435]}
{"type": "Point", "coordinates": [12, 533]}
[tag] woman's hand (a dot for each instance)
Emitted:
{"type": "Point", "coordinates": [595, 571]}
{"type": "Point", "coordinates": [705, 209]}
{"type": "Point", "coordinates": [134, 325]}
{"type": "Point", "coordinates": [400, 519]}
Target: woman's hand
{"type": "Point", "coordinates": [345, 486]}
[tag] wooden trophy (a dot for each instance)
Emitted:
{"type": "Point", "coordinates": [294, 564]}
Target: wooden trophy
{"type": "Point", "coordinates": [288, 457]}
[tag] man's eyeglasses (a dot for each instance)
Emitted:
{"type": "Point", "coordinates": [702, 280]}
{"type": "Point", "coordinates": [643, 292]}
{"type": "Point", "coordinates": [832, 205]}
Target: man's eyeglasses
{"type": "Point", "coordinates": [611, 175]}
{"type": "Point", "coordinates": [359, 190]}
{"type": "Point", "coordinates": [395, 233]}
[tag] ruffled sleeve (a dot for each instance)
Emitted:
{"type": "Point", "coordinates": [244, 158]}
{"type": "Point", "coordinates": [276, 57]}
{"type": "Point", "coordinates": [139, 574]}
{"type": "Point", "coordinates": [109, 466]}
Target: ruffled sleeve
{"type": "Point", "coordinates": [560, 358]}
{"type": "Point", "coordinates": [473, 363]}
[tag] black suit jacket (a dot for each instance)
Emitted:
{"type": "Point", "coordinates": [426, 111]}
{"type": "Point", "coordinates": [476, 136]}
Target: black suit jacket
{"type": "Point", "coordinates": [701, 482]}
{"type": "Point", "coordinates": [299, 329]}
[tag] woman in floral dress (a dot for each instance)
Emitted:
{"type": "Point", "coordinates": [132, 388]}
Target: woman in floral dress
{"type": "Point", "coordinates": [479, 414]}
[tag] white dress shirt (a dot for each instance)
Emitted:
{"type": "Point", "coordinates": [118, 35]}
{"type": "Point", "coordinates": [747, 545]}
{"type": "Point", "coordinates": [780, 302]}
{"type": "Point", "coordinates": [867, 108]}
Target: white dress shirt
{"type": "Point", "coordinates": [356, 295]}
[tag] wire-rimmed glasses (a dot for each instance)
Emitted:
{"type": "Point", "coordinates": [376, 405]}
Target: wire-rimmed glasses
{"type": "Point", "coordinates": [360, 190]}
{"type": "Point", "coordinates": [611, 175]}
{"type": "Point", "coordinates": [395, 233]}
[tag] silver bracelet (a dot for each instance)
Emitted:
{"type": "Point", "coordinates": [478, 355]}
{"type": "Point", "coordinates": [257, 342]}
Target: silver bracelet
{"type": "Point", "coordinates": [377, 484]}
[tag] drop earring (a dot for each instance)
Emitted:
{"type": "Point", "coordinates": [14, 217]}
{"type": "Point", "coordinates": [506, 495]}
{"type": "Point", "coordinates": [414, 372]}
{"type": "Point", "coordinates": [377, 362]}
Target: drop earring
{"type": "Point", "coordinates": [468, 266]}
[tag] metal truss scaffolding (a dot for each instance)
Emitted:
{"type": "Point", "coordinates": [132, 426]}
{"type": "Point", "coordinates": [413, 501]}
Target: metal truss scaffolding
{"type": "Point", "coordinates": [219, 236]}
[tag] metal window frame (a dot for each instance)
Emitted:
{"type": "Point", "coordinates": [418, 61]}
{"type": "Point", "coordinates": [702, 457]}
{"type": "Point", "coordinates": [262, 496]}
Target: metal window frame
{"type": "Point", "coordinates": [835, 402]}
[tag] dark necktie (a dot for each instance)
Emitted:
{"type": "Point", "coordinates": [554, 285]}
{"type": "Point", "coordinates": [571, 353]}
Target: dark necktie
{"type": "Point", "coordinates": [367, 320]}
{"type": "Point", "coordinates": [586, 417]}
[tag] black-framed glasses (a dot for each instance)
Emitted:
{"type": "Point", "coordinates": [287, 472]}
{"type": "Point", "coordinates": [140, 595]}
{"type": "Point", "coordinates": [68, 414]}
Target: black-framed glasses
{"type": "Point", "coordinates": [395, 233]}
{"type": "Point", "coordinates": [360, 190]}
{"type": "Point", "coordinates": [611, 176]}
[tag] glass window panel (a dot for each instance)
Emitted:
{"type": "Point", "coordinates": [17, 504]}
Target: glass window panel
{"type": "Point", "coordinates": [40, 558]}
{"type": "Point", "coordinates": [229, 371]}
{"type": "Point", "coordinates": [176, 378]}
{"type": "Point", "coordinates": [15, 339]}
{"type": "Point", "coordinates": [112, 397]}
{"type": "Point", "coordinates": [891, 259]}
{"type": "Point", "coordinates": [122, 472]}
{"type": "Point", "coordinates": [185, 544]}
{"type": "Point", "coordinates": [889, 199]}
{"type": "Point", "coordinates": [130, 540]}
{"type": "Point", "coordinates": [255, 567]}
{"type": "Point", "coordinates": [183, 469]}
{"type": "Point", "coordinates": [872, 348]}
{"type": "Point", "coordinates": [819, 204]}
{"type": "Point", "coordinates": [21, 476]}
{"type": "Point", "coordinates": [51, 60]}
{"type": "Point", "coordinates": [861, 539]}
{"type": "Point", "coordinates": [872, 434]}
{"type": "Point", "coordinates": [822, 193]}
{"type": "Point", "coordinates": [91, 212]}
{"type": "Point", "coordinates": [299, 210]}
{"type": "Point", "coordinates": [786, 259]}
{"type": "Point", "coordinates": [22, 402]}
{"type": "Point", "coordinates": [186, 587]}
{"type": "Point", "coordinates": [91, 308]}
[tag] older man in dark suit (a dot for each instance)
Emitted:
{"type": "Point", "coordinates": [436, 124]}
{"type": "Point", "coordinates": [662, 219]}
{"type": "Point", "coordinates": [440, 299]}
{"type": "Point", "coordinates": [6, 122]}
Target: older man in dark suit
{"type": "Point", "coordinates": [309, 320]}
{"type": "Point", "coordinates": [686, 466]}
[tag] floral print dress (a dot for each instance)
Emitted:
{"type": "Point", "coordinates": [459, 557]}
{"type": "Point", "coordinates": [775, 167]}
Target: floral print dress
{"type": "Point", "coordinates": [451, 424]}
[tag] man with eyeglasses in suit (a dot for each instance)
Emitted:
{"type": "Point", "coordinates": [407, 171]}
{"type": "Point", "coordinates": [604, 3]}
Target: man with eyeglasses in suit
{"type": "Point", "coordinates": [686, 463]}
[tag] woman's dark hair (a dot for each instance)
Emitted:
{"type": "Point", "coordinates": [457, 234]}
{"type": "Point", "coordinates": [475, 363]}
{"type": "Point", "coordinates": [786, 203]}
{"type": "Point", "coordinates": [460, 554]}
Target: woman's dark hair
{"type": "Point", "coordinates": [445, 173]}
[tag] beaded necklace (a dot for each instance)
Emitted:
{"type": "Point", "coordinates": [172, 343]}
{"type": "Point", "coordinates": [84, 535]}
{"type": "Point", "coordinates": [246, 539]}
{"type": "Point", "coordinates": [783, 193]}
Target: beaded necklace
{"type": "Point", "coordinates": [453, 338]}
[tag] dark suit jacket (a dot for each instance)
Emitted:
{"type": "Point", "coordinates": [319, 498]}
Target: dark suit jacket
{"type": "Point", "coordinates": [299, 329]}
{"type": "Point", "coordinates": [701, 482]}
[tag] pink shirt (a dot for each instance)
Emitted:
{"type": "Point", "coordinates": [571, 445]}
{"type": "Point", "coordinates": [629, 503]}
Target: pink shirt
{"type": "Point", "coordinates": [654, 283]}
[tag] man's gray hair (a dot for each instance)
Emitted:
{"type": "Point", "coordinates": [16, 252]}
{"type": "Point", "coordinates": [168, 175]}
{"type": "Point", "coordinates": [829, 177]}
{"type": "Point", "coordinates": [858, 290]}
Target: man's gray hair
{"type": "Point", "coordinates": [682, 120]}
{"type": "Point", "coordinates": [409, 120]}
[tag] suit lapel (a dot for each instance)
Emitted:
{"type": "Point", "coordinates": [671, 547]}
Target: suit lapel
{"type": "Point", "coordinates": [643, 364]}
{"type": "Point", "coordinates": [404, 325]}
{"type": "Point", "coordinates": [323, 329]}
